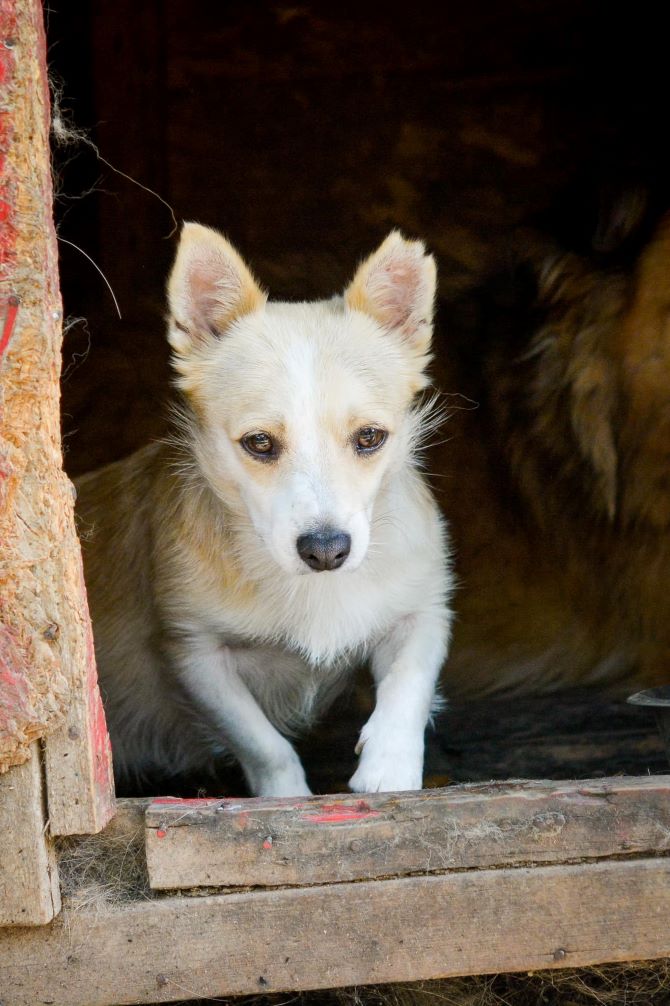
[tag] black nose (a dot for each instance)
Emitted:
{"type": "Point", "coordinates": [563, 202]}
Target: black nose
{"type": "Point", "coordinates": [324, 549]}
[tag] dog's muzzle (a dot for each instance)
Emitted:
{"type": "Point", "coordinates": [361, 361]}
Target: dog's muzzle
{"type": "Point", "coordinates": [324, 549]}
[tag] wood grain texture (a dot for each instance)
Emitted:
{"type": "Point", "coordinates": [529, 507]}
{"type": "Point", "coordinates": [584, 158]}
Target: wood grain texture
{"type": "Point", "coordinates": [346, 934]}
{"type": "Point", "coordinates": [29, 891]}
{"type": "Point", "coordinates": [77, 756]}
{"type": "Point", "coordinates": [267, 842]}
{"type": "Point", "coordinates": [32, 686]}
{"type": "Point", "coordinates": [46, 657]}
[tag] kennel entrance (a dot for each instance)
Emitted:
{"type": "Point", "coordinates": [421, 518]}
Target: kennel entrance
{"type": "Point", "coordinates": [244, 896]}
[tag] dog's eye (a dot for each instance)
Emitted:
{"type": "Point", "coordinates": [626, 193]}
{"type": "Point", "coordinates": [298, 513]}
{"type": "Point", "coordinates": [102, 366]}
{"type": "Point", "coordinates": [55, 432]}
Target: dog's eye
{"type": "Point", "coordinates": [369, 439]}
{"type": "Point", "coordinates": [261, 445]}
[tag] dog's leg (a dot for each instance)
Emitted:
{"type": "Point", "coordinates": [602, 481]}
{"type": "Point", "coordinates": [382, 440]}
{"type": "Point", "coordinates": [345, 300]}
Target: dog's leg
{"type": "Point", "coordinates": [209, 673]}
{"type": "Point", "coordinates": [405, 667]}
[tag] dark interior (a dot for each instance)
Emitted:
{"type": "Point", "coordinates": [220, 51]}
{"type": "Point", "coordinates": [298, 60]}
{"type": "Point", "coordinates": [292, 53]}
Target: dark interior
{"type": "Point", "coordinates": [305, 133]}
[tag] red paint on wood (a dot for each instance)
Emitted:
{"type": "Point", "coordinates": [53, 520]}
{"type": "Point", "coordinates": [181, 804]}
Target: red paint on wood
{"type": "Point", "coordinates": [334, 813]}
{"type": "Point", "coordinates": [242, 810]}
{"type": "Point", "coordinates": [99, 748]}
{"type": "Point", "coordinates": [97, 723]}
{"type": "Point", "coordinates": [5, 65]}
{"type": "Point", "coordinates": [10, 320]}
{"type": "Point", "coordinates": [185, 803]}
{"type": "Point", "coordinates": [7, 32]}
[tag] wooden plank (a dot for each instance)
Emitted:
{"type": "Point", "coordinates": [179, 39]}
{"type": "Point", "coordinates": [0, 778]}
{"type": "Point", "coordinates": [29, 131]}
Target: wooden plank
{"type": "Point", "coordinates": [46, 657]}
{"type": "Point", "coordinates": [29, 892]}
{"type": "Point", "coordinates": [78, 756]}
{"type": "Point", "coordinates": [80, 782]}
{"type": "Point", "coordinates": [193, 843]}
{"type": "Point", "coordinates": [32, 688]}
{"type": "Point", "coordinates": [346, 934]}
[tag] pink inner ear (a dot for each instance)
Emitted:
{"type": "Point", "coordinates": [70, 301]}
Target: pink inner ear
{"type": "Point", "coordinates": [214, 288]}
{"type": "Point", "coordinates": [394, 289]}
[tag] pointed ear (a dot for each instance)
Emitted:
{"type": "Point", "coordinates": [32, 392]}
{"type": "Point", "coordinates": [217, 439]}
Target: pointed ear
{"type": "Point", "coordinates": [209, 287]}
{"type": "Point", "coordinates": [396, 287]}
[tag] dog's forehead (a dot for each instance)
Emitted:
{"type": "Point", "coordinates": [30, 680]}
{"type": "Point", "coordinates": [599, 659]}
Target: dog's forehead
{"type": "Point", "coordinates": [322, 329]}
{"type": "Point", "coordinates": [290, 351]}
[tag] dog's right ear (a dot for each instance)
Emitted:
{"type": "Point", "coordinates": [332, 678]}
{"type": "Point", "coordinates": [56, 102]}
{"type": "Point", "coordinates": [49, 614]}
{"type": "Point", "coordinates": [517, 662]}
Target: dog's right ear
{"type": "Point", "coordinates": [209, 287]}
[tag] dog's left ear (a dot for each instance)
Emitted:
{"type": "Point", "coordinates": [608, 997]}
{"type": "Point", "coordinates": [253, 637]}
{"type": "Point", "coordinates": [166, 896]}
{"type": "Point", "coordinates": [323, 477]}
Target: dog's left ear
{"type": "Point", "coordinates": [396, 287]}
{"type": "Point", "coordinates": [209, 288]}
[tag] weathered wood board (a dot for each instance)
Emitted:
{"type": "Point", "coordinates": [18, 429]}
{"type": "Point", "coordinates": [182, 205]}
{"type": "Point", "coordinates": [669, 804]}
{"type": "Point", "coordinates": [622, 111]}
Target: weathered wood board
{"type": "Point", "coordinates": [47, 671]}
{"type": "Point", "coordinates": [267, 842]}
{"type": "Point", "coordinates": [29, 891]}
{"type": "Point", "coordinates": [77, 755]}
{"type": "Point", "coordinates": [34, 685]}
{"type": "Point", "coordinates": [345, 934]}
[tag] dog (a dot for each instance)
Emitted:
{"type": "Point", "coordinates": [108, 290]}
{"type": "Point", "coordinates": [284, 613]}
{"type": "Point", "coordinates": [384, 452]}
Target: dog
{"type": "Point", "coordinates": [239, 571]}
{"type": "Point", "coordinates": [558, 485]}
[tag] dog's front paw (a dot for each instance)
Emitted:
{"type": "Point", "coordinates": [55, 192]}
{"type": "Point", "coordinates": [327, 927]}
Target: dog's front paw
{"type": "Point", "coordinates": [275, 780]}
{"type": "Point", "coordinates": [389, 760]}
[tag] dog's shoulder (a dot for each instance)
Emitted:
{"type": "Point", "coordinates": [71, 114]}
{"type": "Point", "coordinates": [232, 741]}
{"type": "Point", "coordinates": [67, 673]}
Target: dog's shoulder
{"type": "Point", "coordinates": [130, 475]}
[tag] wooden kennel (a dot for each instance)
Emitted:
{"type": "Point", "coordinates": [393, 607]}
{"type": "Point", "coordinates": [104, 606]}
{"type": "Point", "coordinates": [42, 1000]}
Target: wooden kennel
{"type": "Point", "coordinates": [244, 896]}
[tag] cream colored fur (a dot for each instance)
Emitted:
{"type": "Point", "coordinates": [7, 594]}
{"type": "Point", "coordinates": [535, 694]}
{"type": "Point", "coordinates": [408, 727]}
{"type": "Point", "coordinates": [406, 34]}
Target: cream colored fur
{"type": "Point", "coordinates": [212, 633]}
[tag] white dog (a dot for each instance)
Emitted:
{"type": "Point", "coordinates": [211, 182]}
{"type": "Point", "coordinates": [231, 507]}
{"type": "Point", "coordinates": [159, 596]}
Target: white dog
{"type": "Point", "coordinates": [236, 574]}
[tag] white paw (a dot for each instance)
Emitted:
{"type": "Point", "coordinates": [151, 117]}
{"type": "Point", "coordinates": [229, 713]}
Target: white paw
{"type": "Point", "coordinates": [287, 780]}
{"type": "Point", "coordinates": [389, 760]}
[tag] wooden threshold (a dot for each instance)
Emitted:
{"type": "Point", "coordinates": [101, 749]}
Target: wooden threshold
{"type": "Point", "coordinates": [264, 842]}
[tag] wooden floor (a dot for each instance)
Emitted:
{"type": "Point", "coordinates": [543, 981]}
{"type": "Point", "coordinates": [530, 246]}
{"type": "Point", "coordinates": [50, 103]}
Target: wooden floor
{"type": "Point", "coordinates": [577, 734]}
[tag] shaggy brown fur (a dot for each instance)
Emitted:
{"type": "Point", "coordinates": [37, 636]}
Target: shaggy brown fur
{"type": "Point", "coordinates": [558, 486]}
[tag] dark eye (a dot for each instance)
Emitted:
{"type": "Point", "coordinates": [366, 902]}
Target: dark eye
{"type": "Point", "coordinates": [260, 445]}
{"type": "Point", "coordinates": [369, 439]}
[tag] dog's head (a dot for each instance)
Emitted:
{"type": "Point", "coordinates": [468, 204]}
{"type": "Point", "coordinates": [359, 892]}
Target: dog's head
{"type": "Point", "coordinates": [300, 411]}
